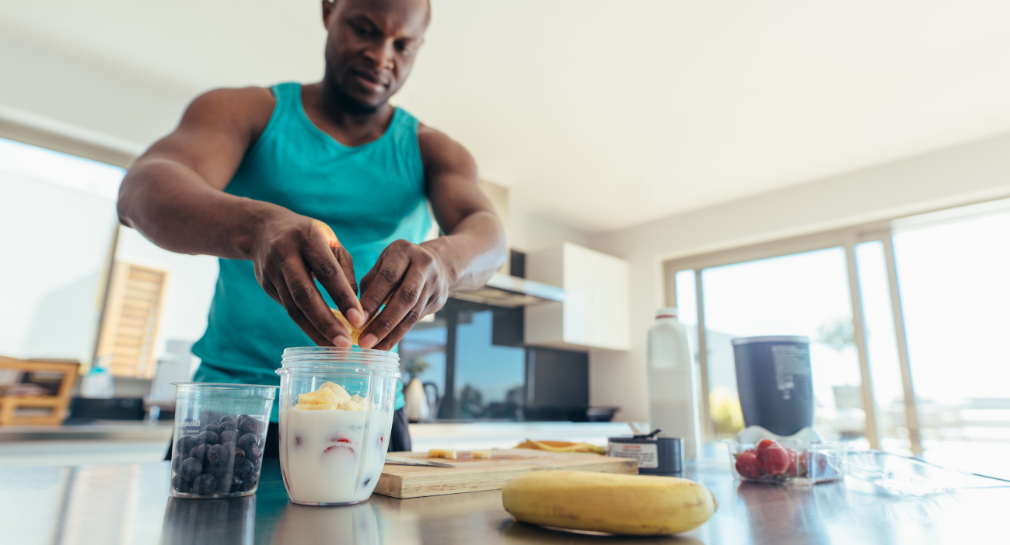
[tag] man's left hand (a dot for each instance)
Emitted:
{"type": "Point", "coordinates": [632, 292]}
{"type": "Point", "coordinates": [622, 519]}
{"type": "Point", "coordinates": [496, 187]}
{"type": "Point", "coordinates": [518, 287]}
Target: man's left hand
{"type": "Point", "coordinates": [412, 282]}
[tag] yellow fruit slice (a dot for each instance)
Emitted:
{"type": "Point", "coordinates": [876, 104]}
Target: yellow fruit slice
{"type": "Point", "coordinates": [478, 454]}
{"type": "Point", "coordinates": [606, 502]}
{"type": "Point", "coordinates": [561, 446]}
{"type": "Point", "coordinates": [354, 331]}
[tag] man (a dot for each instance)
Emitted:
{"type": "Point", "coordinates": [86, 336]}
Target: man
{"type": "Point", "coordinates": [307, 192]}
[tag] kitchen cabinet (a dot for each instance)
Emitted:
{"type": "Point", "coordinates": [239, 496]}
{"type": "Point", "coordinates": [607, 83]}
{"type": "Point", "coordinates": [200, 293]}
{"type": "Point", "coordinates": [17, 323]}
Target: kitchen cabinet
{"type": "Point", "coordinates": [595, 312]}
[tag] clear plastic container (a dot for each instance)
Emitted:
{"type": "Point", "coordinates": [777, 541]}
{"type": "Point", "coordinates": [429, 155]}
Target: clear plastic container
{"type": "Point", "coordinates": [803, 463]}
{"type": "Point", "coordinates": [220, 431]}
{"type": "Point", "coordinates": [899, 475]}
{"type": "Point", "coordinates": [330, 455]}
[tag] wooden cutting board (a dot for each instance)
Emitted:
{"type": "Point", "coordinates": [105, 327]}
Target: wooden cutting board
{"type": "Point", "coordinates": [471, 475]}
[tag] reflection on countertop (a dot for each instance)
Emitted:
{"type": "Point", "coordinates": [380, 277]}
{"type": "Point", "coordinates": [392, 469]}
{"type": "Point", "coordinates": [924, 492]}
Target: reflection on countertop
{"type": "Point", "coordinates": [120, 504]}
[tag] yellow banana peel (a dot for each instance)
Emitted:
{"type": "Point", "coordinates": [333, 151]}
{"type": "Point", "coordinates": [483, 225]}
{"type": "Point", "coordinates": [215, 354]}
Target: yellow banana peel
{"type": "Point", "coordinates": [560, 446]}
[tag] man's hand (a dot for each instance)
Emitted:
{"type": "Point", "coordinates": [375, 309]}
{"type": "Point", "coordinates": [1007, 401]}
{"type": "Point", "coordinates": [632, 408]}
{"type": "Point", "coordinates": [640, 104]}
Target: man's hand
{"type": "Point", "coordinates": [287, 251]}
{"type": "Point", "coordinates": [411, 280]}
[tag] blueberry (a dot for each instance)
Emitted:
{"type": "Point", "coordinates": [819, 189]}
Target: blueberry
{"type": "Point", "coordinates": [207, 437]}
{"type": "Point", "coordinates": [217, 453]}
{"type": "Point", "coordinates": [246, 468]}
{"type": "Point", "coordinates": [218, 470]}
{"type": "Point", "coordinates": [177, 462]}
{"type": "Point", "coordinates": [253, 453]}
{"type": "Point", "coordinates": [249, 425]}
{"type": "Point", "coordinates": [180, 485]}
{"type": "Point", "coordinates": [250, 482]}
{"type": "Point", "coordinates": [236, 484]}
{"type": "Point", "coordinates": [191, 467]}
{"type": "Point", "coordinates": [227, 426]}
{"type": "Point", "coordinates": [205, 484]}
{"type": "Point", "coordinates": [228, 436]}
{"type": "Point", "coordinates": [200, 453]}
{"type": "Point", "coordinates": [239, 456]}
{"type": "Point", "coordinates": [226, 418]}
{"type": "Point", "coordinates": [247, 441]}
{"type": "Point", "coordinates": [185, 444]}
{"type": "Point", "coordinates": [212, 427]}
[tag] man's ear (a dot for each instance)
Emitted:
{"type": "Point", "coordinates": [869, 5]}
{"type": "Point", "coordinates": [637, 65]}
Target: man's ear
{"type": "Point", "coordinates": [329, 7]}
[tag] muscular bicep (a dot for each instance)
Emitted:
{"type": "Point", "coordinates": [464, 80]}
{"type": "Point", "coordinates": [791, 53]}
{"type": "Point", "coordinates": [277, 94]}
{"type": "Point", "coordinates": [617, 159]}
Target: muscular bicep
{"type": "Point", "coordinates": [214, 134]}
{"type": "Point", "coordinates": [452, 180]}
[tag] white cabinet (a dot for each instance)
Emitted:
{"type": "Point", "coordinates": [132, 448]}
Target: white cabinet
{"type": "Point", "coordinates": [596, 307]}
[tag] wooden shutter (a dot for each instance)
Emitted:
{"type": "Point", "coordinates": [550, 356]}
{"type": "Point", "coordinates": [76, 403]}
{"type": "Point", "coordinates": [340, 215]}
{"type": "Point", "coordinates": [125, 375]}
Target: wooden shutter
{"type": "Point", "coordinates": [130, 324]}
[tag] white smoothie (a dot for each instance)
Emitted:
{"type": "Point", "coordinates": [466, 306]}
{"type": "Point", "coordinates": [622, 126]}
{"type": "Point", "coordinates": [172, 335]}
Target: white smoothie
{"type": "Point", "coordinates": [332, 455]}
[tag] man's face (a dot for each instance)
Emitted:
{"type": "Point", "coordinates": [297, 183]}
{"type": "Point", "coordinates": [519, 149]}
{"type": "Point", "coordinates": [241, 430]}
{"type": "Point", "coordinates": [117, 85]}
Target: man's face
{"type": "Point", "coordinates": [371, 47]}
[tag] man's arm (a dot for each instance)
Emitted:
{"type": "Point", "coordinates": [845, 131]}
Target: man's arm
{"type": "Point", "coordinates": [174, 195]}
{"type": "Point", "coordinates": [416, 278]}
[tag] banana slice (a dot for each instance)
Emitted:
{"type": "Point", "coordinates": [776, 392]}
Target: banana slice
{"type": "Point", "coordinates": [330, 397]}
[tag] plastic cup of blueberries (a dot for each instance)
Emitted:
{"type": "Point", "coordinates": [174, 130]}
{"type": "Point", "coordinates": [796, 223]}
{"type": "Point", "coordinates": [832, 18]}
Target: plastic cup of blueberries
{"type": "Point", "coordinates": [220, 432]}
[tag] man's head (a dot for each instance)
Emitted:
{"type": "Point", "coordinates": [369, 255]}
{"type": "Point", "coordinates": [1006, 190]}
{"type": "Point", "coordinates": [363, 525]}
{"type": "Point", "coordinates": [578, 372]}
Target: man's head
{"type": "Point", "coordinates": [371, 47]}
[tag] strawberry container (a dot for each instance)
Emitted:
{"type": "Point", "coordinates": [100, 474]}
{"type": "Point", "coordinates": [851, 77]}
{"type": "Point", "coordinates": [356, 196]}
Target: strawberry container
{"type": "Point", "coordinates": [787, 462]}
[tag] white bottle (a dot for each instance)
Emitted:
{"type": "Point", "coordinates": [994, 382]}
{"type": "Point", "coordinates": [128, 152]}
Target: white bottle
{"type": "Point", "coordinates": [673, 382]}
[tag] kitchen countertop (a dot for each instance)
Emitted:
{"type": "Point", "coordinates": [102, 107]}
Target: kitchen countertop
{"type": "Point", "coordinates": [129, 503]}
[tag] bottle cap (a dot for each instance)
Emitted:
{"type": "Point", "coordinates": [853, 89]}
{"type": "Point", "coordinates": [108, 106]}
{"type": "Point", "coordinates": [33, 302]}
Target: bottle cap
{"type": "Point", "coordinates": [666, 312]}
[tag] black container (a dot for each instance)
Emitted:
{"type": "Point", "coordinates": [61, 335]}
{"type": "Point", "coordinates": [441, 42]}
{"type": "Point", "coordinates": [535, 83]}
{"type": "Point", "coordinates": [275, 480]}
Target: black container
{"type": "Point", "coordinates": [656, 455]}
{"type": "Point", "coordinates": [773, 379]}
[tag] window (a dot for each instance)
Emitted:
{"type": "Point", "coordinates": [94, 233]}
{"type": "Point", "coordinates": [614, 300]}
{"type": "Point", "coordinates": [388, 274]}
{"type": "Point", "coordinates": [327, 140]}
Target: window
{"type": "Point", "coordinates": [955, 293]}
{"type": "Point", "coordinates": [907, 320]}
{"type": "Point", "coordinates": [61, 229]}
{"type": "Point", "coordinates": [803, 294]}
{"type": "Point", "coordinates": [58, 219]}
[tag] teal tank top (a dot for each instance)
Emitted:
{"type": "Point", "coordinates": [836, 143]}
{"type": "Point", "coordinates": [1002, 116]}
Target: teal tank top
{"type": "Point", "coordinates": [370, 195]}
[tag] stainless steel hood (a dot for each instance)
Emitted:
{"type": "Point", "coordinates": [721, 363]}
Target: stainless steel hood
{"type": "Point", "coordinates": [507, 291]}
{"type": "Point", "coordinates": [508, 288]}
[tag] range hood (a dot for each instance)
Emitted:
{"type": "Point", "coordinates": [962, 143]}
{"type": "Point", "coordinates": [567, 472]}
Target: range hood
{"type": "Point", "coordinates": [508, 291]}
{"type": "Point", "coordinates": [508, 288]}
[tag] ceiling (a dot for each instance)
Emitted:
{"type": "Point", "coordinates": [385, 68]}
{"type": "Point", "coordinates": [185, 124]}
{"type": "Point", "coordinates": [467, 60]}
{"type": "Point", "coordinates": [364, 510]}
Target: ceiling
{"type": "Point", "coordinates": [602, 114]}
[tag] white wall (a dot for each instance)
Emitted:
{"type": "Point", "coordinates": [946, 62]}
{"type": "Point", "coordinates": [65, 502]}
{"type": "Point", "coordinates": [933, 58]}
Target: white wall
{"type": "Point", "coordinates": [950, 177]}
{"type": "Point", "coordinates": [529, 232]}
{"type": "Point", "coordinates": [100, 98]}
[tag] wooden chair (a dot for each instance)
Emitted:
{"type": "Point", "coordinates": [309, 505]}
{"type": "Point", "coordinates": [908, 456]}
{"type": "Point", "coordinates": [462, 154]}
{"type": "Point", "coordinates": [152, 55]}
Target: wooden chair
{"type": "Point", "coordinates": [18, 378]}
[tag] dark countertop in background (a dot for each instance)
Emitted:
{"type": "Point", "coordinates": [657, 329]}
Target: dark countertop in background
{"type": "Point", "coordinates": [129, 503]}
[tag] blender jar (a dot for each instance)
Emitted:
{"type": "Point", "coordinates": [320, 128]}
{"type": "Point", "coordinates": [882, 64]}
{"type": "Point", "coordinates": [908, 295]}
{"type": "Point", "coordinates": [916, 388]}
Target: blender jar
{"type": "Point", "coordinates": [220, 431]}
{"type": "Point", "coordinates": [336, 411]}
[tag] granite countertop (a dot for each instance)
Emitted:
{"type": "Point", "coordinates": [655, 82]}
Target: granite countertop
{"type": "Point", "coordinates": [129, 503]}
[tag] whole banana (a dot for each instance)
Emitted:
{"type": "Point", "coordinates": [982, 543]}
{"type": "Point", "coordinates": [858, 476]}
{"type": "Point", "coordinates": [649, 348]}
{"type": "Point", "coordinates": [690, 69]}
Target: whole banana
{"type": "Point", "coordinates": [606, 502]}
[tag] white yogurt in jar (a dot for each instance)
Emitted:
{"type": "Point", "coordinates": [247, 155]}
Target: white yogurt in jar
{"type": "Point", "coordinates": [332, 456]}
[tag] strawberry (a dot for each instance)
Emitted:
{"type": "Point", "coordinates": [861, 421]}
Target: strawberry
{"type": "Point", "coordinates": [766, 443]}
{"type": "Point", "coordinates": [773, 459]}
{"type": "Point", "coordinates": [747, 464]}
{"type": "Point", "coordinates": [797, 464]}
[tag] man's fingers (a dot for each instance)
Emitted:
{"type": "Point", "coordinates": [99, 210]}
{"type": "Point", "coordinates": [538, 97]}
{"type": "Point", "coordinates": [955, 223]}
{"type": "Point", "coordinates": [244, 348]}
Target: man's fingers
{"type": "Point", "coordinates": [296, 315]}
{"type": "Point", "coordinates": [402, 308]}
{"type": "Point", "coordinates": [327, 269]}
{"type": "Point", "coordinates": [402, 328]}
{"type": "Point", "coordinates": [347, 266]}
{"type": "Point", "coordinates": [305, 299]}
{"type": "Point", "coordinates": [383, 279]}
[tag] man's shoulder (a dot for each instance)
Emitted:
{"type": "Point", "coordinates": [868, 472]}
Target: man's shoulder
{"type": "Point", "coordinates": [439, 151]}
{"type": "Point", "coordinates": [251, 106]}
{"type": "Point", "coordinates": [432, 140]}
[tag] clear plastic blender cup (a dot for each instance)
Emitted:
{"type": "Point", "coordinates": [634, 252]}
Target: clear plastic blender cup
{"type": "Point", "coordinates": [220, 431]}
{"type": "Point", "coordinates": [336, 412]}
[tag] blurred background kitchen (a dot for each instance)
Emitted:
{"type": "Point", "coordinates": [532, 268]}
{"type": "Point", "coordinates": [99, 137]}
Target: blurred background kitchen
{"type": "Point", "coordinates": [839, 171]}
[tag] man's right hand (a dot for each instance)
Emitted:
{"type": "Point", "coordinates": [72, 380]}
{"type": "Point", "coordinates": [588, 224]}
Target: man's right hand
{"type": "Point", "coordinates": [287, 251]}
